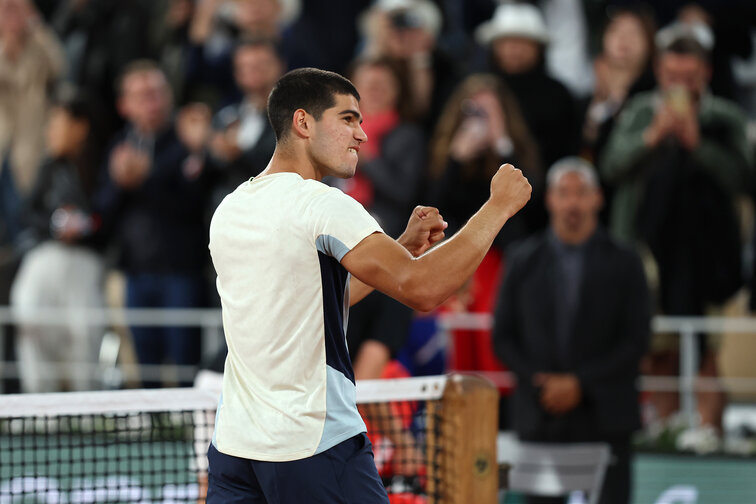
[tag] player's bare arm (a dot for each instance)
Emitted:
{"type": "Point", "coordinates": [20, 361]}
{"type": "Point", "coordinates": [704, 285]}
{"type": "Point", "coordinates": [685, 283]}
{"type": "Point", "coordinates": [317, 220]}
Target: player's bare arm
{"type": "Point", "coordinates": [425, 282]}
{"type": "Point", "coordinates": [424, 229]}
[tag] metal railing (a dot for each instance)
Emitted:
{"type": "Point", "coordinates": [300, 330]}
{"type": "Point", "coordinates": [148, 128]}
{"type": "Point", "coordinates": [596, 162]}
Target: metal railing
{"type": "Point", "coordinates": [210, 321]}
{"type": "Point", "coordinates": [688, 383]}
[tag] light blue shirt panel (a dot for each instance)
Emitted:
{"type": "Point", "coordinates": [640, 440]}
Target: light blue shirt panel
{"type": "Point", "coordinates": [343, 421]}
{"type": "Point", "coordinates": [331, 246]}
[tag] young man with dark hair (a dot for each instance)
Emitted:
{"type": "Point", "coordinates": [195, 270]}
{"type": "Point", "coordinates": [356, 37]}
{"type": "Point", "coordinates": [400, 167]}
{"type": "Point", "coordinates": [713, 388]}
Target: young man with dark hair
{"type": "Point", "coordinates": [292, 254]}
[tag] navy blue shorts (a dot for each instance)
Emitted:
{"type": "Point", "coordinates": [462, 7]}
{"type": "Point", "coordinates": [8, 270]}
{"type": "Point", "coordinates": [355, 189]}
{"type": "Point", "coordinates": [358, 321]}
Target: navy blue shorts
{"type": "Point", "coordinates": [344, 474]}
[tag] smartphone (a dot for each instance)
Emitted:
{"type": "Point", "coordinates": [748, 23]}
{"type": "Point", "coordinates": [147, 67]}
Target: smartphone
{"type": "Point", "coordinates": [679, 100]}
{"type": "Point", "coordinates": [472, 109]}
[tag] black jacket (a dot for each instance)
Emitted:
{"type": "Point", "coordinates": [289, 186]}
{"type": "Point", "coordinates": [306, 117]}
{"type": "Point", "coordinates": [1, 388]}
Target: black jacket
{"type": "Point", "coordinates": [159, 226]}
{"type": "Point", "coordinates": [549, 111]}
{"type": "Point", "coordinates": [59, 184]}
{"type": "Point", "coordinates": [610, 335]}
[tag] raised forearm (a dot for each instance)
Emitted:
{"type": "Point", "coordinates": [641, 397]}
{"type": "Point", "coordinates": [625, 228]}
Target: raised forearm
{"type": "Point", "coordinates": [426, 281]}
{"type": "Point", "coordinates": [440, 272]}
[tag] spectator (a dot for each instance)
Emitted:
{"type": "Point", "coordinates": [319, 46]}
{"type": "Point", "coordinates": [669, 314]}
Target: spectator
{"type": "Point", "coordinates": [216, 27]}
{"type": "Point", "coordinates": [31, 59]}
{"type": "Point", "coordinates": [152, 196]}
{"type": "Point", "coordinates": [324, 38]}
{"type": "Point", "coordinates": [622, 69]}
{"type": "Point", "coordinates": [391, 165]}
{"type": "Point", "coordinates": [567, 56]}
{"type": "Point", "coordinates": [572, 322]}
{"type": "Point", "coordinates": [218, 21]}
{"type": "Point", "coordinates": [407, 31]}
{"type": "Point", "coordinates": [480, 129]}
{"type": "Point", "coordinates": [63, 268]}
{"type": "Point", "coordinates": [100, 37]}
{"type": "Point", "coordinates": [517, 38]}
{"type": "Point", "coordinates": [727, 27]}
{"type": "Point", "coordinates": [242, 140]}
{"type": "Point", "coordinates": [169, 40]}
{"type": "Point", "coordinates": [678, 158]}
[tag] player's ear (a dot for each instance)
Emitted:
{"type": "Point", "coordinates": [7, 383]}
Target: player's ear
{"type": "Point", "coordinates": [300, 123]}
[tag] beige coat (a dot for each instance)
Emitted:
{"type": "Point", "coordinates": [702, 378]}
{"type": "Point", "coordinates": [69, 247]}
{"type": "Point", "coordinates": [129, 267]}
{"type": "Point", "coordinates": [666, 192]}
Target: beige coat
{"type": "Point", "coordinates": [24, 90]}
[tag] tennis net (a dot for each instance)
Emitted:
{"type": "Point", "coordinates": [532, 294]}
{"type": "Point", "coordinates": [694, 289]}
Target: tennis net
{"type": "Point", "coordinates": [147, 446]}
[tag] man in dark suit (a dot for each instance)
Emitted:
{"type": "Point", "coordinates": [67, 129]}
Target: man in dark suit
{"type": "Point", "coordinates": [572, 322]}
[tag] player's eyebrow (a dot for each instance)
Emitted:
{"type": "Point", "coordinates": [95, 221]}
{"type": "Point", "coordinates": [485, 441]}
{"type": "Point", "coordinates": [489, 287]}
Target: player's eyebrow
{"type": "Point", "coordinates": [352, 113]}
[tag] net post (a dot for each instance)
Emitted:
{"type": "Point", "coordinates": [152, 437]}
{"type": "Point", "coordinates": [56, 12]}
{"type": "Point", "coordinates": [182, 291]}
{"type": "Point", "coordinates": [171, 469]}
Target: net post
{"type": "Point", "coordinates": [469, 427]}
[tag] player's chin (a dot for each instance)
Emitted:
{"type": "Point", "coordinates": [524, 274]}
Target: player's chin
{"type": "Point", "coordinates": [348, 170]}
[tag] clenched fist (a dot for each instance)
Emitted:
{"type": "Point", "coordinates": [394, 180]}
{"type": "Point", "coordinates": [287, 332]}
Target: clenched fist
{"type": "Point", "coordinates": [424, 229]}
{"type": "Point", "coordinates": [510, 190]}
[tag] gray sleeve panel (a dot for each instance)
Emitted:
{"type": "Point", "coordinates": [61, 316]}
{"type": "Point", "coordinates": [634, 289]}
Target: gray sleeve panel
{"type": "Point", "coordinates": [331, 246]}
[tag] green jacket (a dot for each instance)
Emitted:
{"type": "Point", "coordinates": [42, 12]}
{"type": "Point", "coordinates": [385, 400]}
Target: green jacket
{"type": "Point", "coordinates": [727, 158]}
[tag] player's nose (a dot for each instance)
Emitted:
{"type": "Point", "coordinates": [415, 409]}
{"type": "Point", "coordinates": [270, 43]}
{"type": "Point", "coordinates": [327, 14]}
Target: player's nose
{"type": "Point", "coordinates": [360, 134]}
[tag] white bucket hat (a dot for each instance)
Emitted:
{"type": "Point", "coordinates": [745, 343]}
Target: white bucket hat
{"type": "Point", "coordinates": [699, 32]}
{"type": "Point", "coordinates": [513, 20]}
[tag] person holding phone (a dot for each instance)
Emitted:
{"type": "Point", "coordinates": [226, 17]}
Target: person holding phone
{"type": "Point", "coordinates": [678, 158]}
{"type": "Point", "coordinates": [480, 128]}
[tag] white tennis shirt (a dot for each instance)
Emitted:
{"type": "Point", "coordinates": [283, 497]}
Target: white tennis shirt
{"type": "Point", "coordinates": [288, 384]}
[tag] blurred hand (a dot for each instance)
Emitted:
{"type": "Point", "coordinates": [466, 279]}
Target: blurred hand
{"type": "Point", "coordinates": [193, 126]}
{"type": "Point", "coordinates": [687, 130]}
{"type": "Point", "coordinates": [662, 126]}
{"type": "Point", "coordinates": [470, 140]}
{"type": "Point", "coordinates": [202, 21]}
{"type": "Point", "coordinates": [682, 125]}
{"type": "Point", "coordinates": [510, 190]}
{"type": "Point", "coordinates": [560, 393]}
{"type": "Point", "coordinates": [69, 224]}
{"type": "Point", "coordinates": [496, 125]}
{"type": "Point", "coordinates": [128, 166]}
{"type": "Point", "coordinates": [223, 144]}
{"type": "Point", "coordinates": [424, 229]}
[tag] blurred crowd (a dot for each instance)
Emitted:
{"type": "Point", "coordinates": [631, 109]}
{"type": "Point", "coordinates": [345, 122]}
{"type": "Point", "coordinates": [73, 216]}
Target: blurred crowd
{"type": "Point", "coordinates": [123, 124]}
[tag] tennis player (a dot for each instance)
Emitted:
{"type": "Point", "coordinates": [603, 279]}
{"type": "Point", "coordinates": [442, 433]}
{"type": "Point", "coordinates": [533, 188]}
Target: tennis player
{"type": "Point", "coordinates": [291, 255]}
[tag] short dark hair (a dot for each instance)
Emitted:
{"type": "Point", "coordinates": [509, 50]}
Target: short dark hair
{"type": "Point", "coordinates": [688, 46]}
{"type": "Point", "coordinates": [310, 89]}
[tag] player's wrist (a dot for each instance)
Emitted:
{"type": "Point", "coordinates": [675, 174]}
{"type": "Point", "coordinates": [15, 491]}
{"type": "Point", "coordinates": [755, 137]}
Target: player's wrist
{"type": "Point", "coordinates": [406, 241]}
{"type": "Point", "coordinates": [500, 211]}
